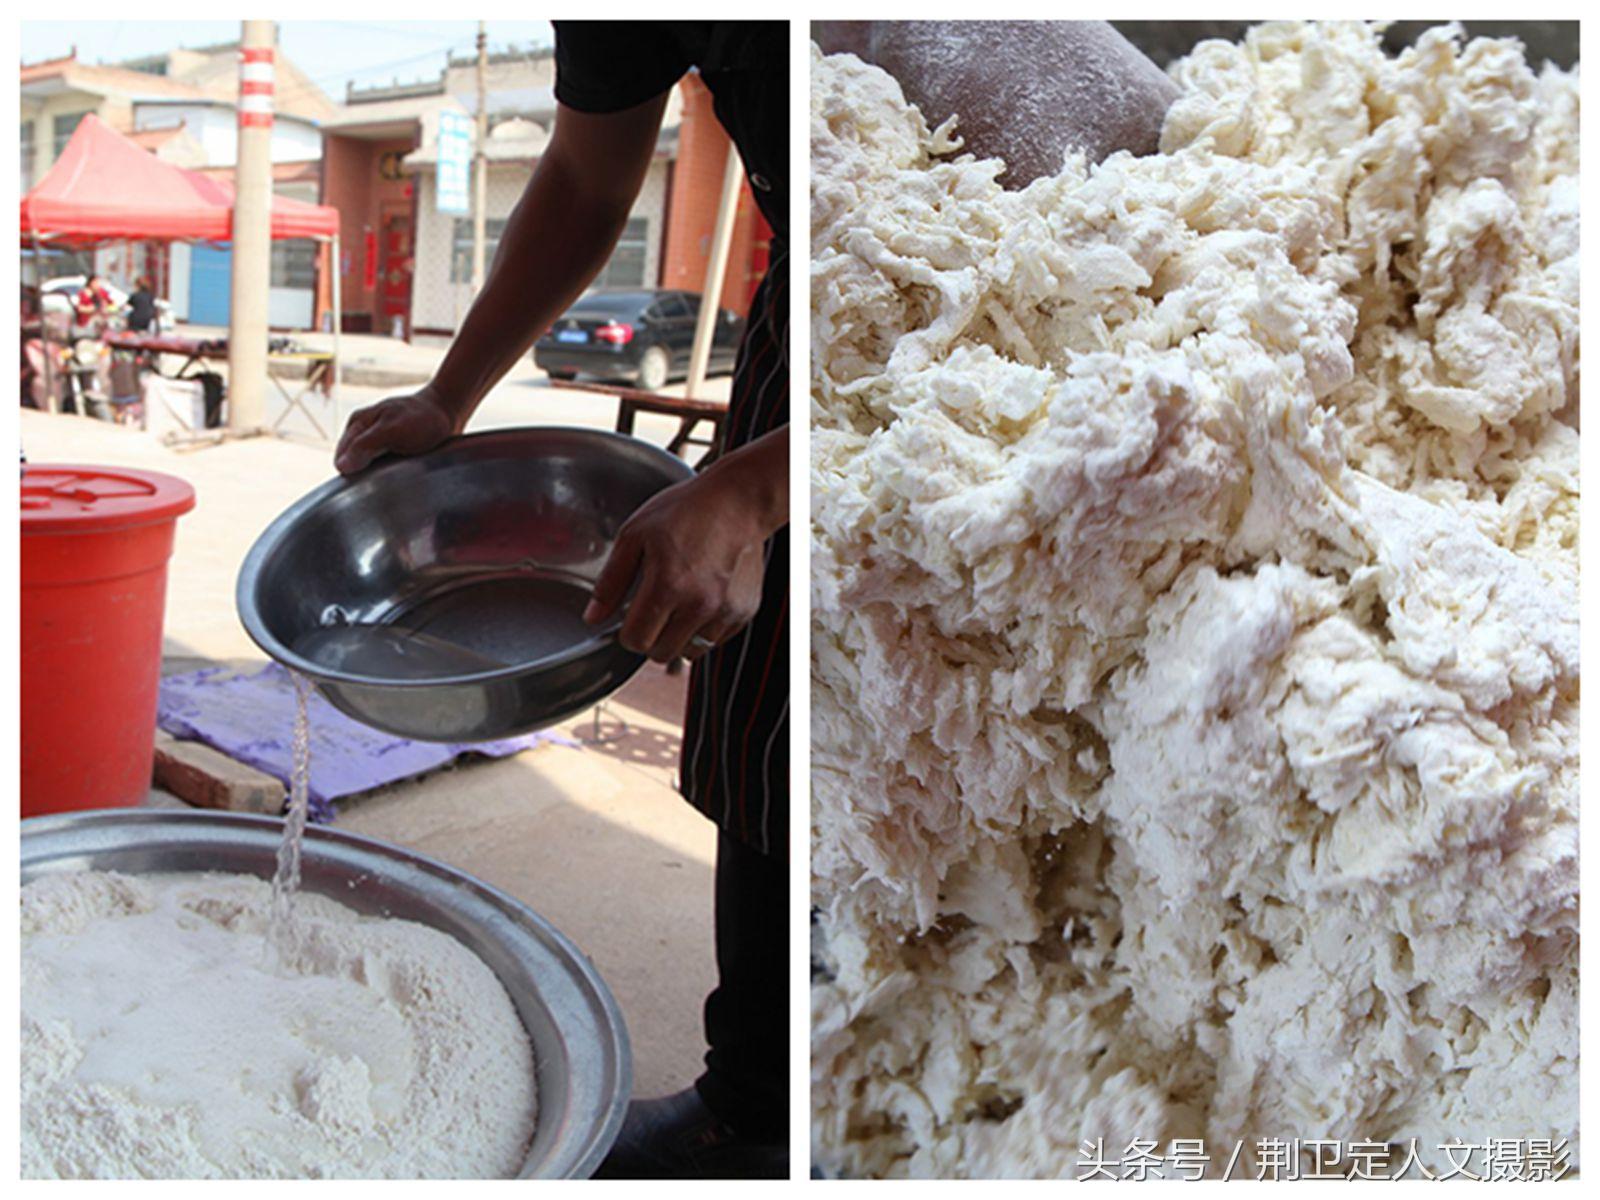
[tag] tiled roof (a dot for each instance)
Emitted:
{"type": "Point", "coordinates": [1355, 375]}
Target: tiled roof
{"type": "Point", "coordinates": [213, 79]}
{"type": "Point", "coordinates": [114, 81]}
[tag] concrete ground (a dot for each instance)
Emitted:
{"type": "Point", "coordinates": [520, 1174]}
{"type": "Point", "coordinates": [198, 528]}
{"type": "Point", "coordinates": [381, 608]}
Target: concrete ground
{"type": "Point", "coordinates": [594, 838]}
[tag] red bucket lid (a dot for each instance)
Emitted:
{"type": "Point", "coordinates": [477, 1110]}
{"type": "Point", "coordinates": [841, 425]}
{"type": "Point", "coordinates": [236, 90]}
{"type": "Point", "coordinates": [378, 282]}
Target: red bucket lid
{"type": "Point", "coordinates": [66, 498]}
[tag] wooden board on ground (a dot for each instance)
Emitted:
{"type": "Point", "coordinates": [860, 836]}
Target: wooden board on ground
{"type": "Point", "coordinates": [207, 778]}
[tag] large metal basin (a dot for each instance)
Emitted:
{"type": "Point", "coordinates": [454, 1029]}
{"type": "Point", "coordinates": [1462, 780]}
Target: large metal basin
{"type": "Point", "coordinates": [487, 547]}
{"type": "Point", "coordinates": [580, 1043]}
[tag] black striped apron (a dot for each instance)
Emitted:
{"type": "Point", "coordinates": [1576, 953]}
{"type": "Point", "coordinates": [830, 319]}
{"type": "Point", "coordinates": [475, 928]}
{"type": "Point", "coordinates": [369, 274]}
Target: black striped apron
{"type": "Point", "coordinates": [735, 763]}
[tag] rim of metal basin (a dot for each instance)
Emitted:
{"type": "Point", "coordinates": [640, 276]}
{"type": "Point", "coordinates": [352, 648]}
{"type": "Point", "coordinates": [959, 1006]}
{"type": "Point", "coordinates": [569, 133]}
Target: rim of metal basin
{"type": "Point", "coordinates": [250, 570]}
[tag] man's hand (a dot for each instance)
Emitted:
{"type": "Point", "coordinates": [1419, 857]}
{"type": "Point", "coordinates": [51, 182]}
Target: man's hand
{"type": "Point", "coordinates": [696, 550]}
{"type": "Point", "coordinates": [410, 424]}
{"type": "Point", "coordinates": [1024, 91]}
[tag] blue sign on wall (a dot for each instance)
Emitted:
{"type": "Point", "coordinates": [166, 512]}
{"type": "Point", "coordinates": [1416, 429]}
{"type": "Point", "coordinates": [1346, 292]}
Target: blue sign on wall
{"type": "Point", "coordinates": [455, 162]}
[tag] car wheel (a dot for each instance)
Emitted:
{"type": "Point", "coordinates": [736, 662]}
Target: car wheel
{"type": "Point", "coordinates": [653, 369]}
{"type": "Point", "coordinates": [563, 376]}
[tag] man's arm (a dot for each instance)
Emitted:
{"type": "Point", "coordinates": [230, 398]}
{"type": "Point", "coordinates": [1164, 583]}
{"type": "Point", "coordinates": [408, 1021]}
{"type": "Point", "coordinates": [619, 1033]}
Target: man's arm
{"type": "Point", "coordinates": [556, 240]}
{"type": "Point", "coordinates": [693, 554]}
{"type": "Point", "coordinates": [696, 552]}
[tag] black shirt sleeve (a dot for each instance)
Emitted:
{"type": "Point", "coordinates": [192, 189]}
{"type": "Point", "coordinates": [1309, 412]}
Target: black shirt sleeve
{"type": "Point", "coordinates": [607, 66]}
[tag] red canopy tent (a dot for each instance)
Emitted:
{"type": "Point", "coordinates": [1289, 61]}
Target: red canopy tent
{"type": "Point", "coordinates": [105, 188]}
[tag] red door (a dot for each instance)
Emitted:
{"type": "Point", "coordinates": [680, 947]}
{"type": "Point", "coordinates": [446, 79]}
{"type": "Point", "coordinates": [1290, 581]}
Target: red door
{"type": "Point", "coordinates": [394, 289]}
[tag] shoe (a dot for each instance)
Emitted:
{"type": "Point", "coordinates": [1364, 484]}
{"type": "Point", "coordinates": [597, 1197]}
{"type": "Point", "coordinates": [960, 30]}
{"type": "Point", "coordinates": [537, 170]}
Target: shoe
{"type": "Point", "coordinates": [678, 1137]}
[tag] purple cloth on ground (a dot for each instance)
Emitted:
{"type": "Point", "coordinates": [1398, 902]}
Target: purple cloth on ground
{"type": "Point", "coordinates": [251, 718]}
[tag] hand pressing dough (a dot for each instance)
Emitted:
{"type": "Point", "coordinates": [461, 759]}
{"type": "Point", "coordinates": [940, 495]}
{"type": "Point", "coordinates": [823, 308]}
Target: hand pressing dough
{"type": "Point", "coordinates": [1026, 92]}
{"type": "Point", "coordinates": [1195, 602]}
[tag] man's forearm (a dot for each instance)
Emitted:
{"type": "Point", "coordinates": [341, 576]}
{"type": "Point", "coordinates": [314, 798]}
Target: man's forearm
{"type": "Point", "coordinates": [551, 248]}
{"type": "Point", "coordinates": [555, 242]}
{"type": "Point", "coordinates": [759, 473]}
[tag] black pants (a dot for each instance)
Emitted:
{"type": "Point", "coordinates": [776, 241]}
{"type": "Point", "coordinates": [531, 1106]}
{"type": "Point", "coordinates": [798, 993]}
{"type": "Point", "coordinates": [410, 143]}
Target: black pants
{"type": "Point", "coordinates": [746, 1082]}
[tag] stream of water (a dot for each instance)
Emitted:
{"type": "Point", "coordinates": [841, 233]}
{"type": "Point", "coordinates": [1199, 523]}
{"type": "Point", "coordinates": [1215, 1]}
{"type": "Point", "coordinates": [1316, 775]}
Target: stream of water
{"type": "Point", "coordinates": [286, 881]}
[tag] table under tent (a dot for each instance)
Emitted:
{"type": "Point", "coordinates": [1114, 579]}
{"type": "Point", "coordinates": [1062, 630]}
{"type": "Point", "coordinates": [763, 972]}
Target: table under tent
{"type": "Point", "coordinates": [105, 189]}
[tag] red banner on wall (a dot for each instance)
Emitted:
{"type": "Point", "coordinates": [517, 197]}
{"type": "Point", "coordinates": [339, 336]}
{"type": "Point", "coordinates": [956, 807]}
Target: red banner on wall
{"type": "Point", "coordinates": [369, 269]}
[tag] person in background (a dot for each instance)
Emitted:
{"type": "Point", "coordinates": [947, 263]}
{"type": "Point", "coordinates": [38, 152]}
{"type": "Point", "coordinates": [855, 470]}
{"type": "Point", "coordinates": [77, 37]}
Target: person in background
{"type": "Point", "coordinates": [32, 356]}
{"type": "Point", "coordinates": [707, 560]}
{"type": "Point", "coordinates": [142, 306]}
{"type": "Point", "coordinates": [93, 301]}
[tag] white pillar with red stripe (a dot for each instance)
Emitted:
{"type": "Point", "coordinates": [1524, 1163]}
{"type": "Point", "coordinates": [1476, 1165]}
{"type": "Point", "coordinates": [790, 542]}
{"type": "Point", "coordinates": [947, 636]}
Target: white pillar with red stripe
{"type": "Point", "coordinates": [256, 80]}
{"type": "Point", "coordinates": [252, 233]}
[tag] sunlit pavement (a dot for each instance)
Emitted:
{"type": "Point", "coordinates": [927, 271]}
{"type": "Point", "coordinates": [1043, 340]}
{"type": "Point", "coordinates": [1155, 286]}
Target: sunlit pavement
{"type": "Point", "coordinates": [523, 397]}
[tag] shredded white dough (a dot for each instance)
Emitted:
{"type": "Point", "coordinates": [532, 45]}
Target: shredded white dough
{"type": "Point", "coordinates": [1195, 604]}
{"type": "Point", "coordinates": [162, 1039]}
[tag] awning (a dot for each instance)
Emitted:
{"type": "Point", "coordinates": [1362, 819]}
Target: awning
{"type": "Point", "coordinates": [106, 188]}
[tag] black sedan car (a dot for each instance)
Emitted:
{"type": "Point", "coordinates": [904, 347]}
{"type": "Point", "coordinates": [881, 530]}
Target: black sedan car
{"type": "Point", "coordinates": [640, 337]}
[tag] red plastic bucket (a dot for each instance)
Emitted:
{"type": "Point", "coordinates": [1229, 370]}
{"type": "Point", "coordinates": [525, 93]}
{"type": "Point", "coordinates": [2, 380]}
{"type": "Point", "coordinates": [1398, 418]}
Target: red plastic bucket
{"type": "Point", "coordinates": [95, 545]}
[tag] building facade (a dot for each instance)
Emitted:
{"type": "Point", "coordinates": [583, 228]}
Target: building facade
{"type": "Point", "coordinates": [408, 266]}
{"type": "Point", "coordinates": [442, 287]}
{"type": "Point", "coordinates": [181, 106]}
{"type": "Point", "coordinates": [405, 266]}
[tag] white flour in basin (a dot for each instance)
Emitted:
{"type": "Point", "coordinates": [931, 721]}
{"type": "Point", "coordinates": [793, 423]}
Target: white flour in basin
{"type": "Point", "coordinates": [160, 1039]}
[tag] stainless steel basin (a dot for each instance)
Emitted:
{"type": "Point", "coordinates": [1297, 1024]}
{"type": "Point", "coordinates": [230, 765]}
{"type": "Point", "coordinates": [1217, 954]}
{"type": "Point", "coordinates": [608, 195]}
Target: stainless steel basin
{"type": "Point", "coordinates": [439, 597]}
{"type": "Point", "coordinates": [580, 1043]}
